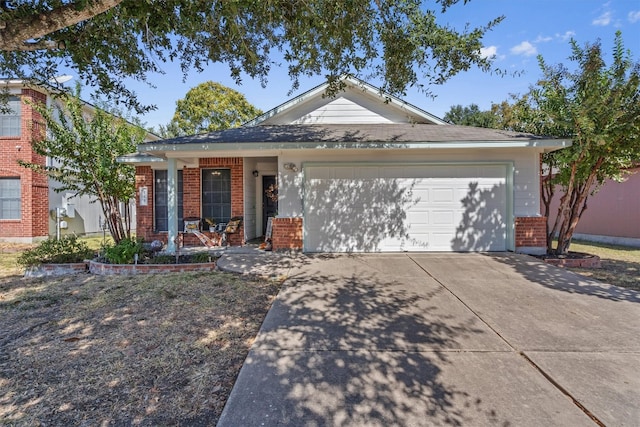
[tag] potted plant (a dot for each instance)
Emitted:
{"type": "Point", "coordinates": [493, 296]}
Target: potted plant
{"type": "Point", "coordinates": [211, 223]}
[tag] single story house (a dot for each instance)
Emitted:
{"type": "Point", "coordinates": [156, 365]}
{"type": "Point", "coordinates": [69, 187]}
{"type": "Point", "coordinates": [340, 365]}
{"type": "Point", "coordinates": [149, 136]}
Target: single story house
{"type": "Point", "coordinates": [361, 171]}
{"type": "Point", "coordinates": [30, 208]}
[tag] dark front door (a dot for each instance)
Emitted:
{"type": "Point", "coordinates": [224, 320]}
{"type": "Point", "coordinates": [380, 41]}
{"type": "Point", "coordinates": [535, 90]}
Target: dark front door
{"type": "Point", "coordinates": [269, 199]}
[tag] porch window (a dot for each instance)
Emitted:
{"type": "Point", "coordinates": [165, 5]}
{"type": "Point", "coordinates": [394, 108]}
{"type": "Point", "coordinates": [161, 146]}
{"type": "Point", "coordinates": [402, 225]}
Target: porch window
{"type": "Point", "coordinates": [10, 119]}
{"type": "Point", "coordinates": [216, 194]}
{"type": "Point", "coordinates": [161, 201]}
{"type": "Point", "coordinates": [10, 198]}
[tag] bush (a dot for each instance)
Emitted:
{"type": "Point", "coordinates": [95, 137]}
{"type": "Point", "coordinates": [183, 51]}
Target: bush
{"type": "Point", "coordinates": [199, 257]}
{"type": "Point", "coordinates": [51, 251]}
{"type": "Point", "coordinates": [163, 259]}
{"type": "Point", "coordinates": [123, 252]}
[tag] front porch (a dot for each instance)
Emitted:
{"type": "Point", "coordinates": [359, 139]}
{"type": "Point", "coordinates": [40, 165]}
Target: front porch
{"type": "Point", "coordinates": [211, 189]}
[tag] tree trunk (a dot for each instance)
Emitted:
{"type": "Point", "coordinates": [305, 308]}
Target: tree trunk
{"type": "Point", "coordinates": [15, 34]}
{"type": "Point", "coordinates": [548, 190]}
{"type": "Point", "coordinates": [573, 209]}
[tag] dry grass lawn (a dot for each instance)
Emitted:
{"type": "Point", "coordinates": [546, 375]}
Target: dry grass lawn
{"type": "Point", "coordinates": [144, 350]}
{"type": "Point", "coordinates": [620, 264]}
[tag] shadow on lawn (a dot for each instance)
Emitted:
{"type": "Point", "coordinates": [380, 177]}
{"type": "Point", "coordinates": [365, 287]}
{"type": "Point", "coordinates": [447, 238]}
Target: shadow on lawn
{"type": "Point", "coordinates": [128, 350]}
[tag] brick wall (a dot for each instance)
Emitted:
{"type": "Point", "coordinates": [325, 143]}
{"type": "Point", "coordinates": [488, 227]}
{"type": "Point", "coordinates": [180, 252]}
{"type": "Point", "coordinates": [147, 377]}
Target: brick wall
{"type": "Point", "coordinates": [192, 194]}
{"type": "Point", "coordinates": [287, 233]}
{"type": "Point", "coordinates": [144, 214]}
{"type": "Point", "coordinates": [531, 234]}
{"type": "Point", "coordinates": [34, 221]}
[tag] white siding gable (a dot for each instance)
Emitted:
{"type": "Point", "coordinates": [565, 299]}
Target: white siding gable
{"type": "Point", "coordinates": [344, 111]}
{"type": "Point", "coordinates": [359, 103]}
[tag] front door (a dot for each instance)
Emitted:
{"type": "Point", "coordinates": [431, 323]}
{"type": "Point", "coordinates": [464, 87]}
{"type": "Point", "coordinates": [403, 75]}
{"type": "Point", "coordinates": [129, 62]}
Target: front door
{"type": "Point", "coordinates": [269, 199]}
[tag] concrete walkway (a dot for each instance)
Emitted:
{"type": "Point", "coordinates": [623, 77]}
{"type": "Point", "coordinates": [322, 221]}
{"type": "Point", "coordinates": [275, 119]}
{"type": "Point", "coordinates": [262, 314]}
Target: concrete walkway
{"type": "Point", "coordinates": [251, 260]}
{"type": "Point", "coordinates": [435, 339]}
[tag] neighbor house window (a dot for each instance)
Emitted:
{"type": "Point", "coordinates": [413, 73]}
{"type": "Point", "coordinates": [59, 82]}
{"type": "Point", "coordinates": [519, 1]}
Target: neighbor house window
{"type": "Point", "coordinates": [161, 201]}
{"type": "Point", "coordinates": [10, 198]}
{"type": "Point", "coordinates": [216, 194]}
{"type": "Point", "coordinates": [10, 120]}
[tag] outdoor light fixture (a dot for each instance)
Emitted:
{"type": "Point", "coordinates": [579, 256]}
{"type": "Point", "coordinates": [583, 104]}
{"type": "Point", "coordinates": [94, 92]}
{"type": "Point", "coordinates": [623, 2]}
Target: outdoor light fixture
{"type": "Point", "coordinates": [290, 167]}
{"type": "Point", "coordinates": [255, 173]}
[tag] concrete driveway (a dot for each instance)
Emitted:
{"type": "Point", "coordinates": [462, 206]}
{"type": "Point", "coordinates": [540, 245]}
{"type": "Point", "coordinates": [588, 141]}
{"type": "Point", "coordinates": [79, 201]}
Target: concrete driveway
{"type": "Point", "coordinates": [441, 339]}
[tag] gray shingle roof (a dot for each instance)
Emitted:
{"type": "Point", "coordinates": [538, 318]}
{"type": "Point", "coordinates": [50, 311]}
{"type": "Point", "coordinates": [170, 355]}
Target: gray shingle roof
{"type": "Point", "coordinates": [360, 133]}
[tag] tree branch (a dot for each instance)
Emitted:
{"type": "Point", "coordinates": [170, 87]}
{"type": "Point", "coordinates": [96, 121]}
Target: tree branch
{"type": "Point", "coordinates": [16, 33]}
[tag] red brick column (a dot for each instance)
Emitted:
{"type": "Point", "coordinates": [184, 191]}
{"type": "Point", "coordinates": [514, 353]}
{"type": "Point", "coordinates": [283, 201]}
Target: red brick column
{"type": "Point", "coordinates": [531, 235]}
{"type": "Point", "coordinates": [286, 233]}
{"type": "Point", "coordinates": [144, 214]}
{"type": "Point", "coordinates": [36, 129]}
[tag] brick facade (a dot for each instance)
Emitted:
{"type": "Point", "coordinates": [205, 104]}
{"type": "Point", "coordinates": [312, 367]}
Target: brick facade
{"type": "Point", "coordinates": [34, 191]}
{"type": "Point", "coordinates": [531, 234]}
{"type": "Point", "coordinates": [286, 234]}
{"type": "Point", "coordinates": [192, 195]}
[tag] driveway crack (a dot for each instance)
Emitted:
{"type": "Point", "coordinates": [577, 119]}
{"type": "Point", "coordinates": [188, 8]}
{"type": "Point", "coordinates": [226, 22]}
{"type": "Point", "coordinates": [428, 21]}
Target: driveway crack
{"type": "Point", "coordinates": [546, 375]}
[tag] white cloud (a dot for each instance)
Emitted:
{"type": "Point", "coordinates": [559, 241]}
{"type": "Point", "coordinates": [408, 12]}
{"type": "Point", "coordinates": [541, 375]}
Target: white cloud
{"type": "Point", "coordinates": [603, 20]}
{"type": "Point", "coordinates": [543, 39]}
{"type": "Point", "coordinates": [566, 36]}
{"type": "Point", "coordinates": [634, 16]}
{"type": "Point", "coordinates": [525, 48]}
{"type": "Point", "coordinates": [489, 51]}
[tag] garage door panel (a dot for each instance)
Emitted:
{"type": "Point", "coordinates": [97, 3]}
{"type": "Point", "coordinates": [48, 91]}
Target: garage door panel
{"type": "Point", "coordinates": [442, 195]}
{"type": "Point", "coordinates": [443, 218]}
{"type": "Point", "coordinates": [417, 218]}
{"type": "Point", "coordinates": [397, 208]}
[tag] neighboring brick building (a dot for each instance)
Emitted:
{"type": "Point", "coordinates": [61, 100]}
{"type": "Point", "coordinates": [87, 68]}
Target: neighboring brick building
{"type": "Point", "coordinates": [27, 198]}
{"type": "Point", "coordinates": [24, 200]}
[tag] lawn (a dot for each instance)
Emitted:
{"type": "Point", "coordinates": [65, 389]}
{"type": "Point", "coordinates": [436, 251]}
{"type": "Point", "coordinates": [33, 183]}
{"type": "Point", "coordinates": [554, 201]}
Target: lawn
{"type": "Point", "coordinates": [140, 350]}
{"type": "Point", "coordinates": [620, 264]}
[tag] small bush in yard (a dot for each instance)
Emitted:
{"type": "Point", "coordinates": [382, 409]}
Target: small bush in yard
{"type": "Point", "coordinates": [124, 251]}
{"type": "Point", "coordinates": [51, 251]}
{"type": "Point", "coordinates": [200, 257]}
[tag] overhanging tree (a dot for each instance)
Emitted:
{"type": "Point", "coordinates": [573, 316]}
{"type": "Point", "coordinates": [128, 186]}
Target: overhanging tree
{"type": "Point", "coordinates": [598, 106]}
{"type": "Point", "coordinates": [107, 41]}
{"type": "Point", "coordinates": [84, 145]}
{"type": "Point", "coordinates": [208, 107]}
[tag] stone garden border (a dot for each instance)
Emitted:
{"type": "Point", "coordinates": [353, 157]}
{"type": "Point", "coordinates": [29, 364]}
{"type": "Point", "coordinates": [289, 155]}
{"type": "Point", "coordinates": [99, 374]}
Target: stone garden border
{"type": "Point", "coordinates": [45, 270]}
{"type": "Point", "coordinates": [103, 269]}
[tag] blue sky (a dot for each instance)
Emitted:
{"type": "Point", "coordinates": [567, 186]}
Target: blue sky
{"type": "Point", "coordinates": [530, 27]}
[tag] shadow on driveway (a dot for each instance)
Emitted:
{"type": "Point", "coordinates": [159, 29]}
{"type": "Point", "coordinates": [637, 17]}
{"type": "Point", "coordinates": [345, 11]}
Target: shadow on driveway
{"type": "Point", "coordinates": [376, 341]}
{"type": "Point", "coordinates": [560, 279]}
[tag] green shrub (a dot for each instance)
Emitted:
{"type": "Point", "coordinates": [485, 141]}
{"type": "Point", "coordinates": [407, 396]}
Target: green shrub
{"type": "Point", "coordinates": [123, 252]}
{"type": "Point", "coordinates": [51, 251]}
{"type": "Point", "coordinates": [163, 259]}
{"type": "Point", "coordinates": [200, 257]}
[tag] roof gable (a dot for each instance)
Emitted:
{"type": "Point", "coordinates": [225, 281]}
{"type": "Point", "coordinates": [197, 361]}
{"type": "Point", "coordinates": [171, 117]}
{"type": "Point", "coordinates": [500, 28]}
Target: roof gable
{"type": "Point", "coordinates": [359, 103]}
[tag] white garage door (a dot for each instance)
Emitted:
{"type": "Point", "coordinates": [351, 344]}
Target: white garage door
{"type": "Point", "coordinates": [392, 208]}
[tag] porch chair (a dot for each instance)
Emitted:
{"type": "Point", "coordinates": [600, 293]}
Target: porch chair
{"type": "Point", "coordinates": [233, 226]}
